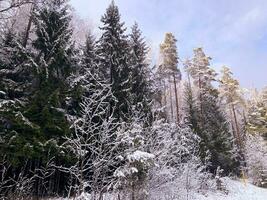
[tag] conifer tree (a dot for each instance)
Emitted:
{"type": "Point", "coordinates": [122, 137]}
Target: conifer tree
{"type": "Point", "coordinates": [212, 126]}
{"type": "Point", "coordinates": [257, 114]}
{"type": "Point", "coordinates": [53, 43]}
{"type": "Point", "coordinates": [14, 67]}
{"type": "Point", "coordinates": [216, 136]}
{"type": "Point", "coordinates": [231, 97]}
{"type": "Point", "coordinates": [169, 68]}
{"type": "Point", "coordinates": [86, 74]}
{"type": "Point", "coordinates": [15, 86]}
{"type": "Point", "coordinates": [89, 56]}
{"type": "Point", "coordinates": [55, 58]}
{"type": "Point", "coordinates": [264, 95]}
{"type": "Point", "coordinates": [192, 112]}
{"type": "Point", "coordinates": [112, 50]}
{"type": "Point", "coordinates": [38, 128]}
{"type": "Point", "coordinates": [140, 83]}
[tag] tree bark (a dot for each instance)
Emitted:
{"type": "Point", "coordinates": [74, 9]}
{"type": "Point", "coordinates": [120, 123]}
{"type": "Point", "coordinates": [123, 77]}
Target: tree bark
{"type": "Point", "coordinates": [201, 104]}
{"type": "Point", "coordinates": [164, 99]}
{"type": "Point", "coordinates": [133, 192]}
{"type": "Point", "coordinates": [176, 99]}
{"type": "Point", "coordinates": [171, 99]}
{"type": "Point", "coordinates": [237, 128]}
{"type": "Point", "coordinates": [28, 29]}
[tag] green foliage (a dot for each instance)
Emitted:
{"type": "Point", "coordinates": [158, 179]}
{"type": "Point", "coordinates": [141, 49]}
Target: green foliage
{"type": "Point", "coordinates": [34, 122]}
{"type": "Point", "coordinates": [113, 51]}
{"type": "Point", "coordinates": [141, 96]}
{"type": "Point", "coordinates": [206, 117]}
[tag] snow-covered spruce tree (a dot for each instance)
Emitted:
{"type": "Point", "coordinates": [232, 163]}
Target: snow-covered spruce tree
{"type": "Point", "coordinates": [89, 58]}
{"type": "Point", "coordinates": [112, 51]}
{"type": "Point", "coordinates": [17, 135]}
{"type": "Point", "coordinates": [213, 127]}
{"type": "Point", "coordinates": [158, 88]}
{"type": "Point", "coordinates": [132, 175]}
{"type": "Point", "coordinates": [87, 69]}
{"type": "Point", "coordinates": [15, 77]}
{"type": "Point", "coordinates": [217, 138]}
{"type": "Point", "coordinates": [192, 113]}
{"type": "Point", "coordinates": [171, 75]}
{"type": "Point", "coordinates": [14, 70]}
{"type": "Point", "coordinates": [141, 97]}
{"type": "Point", "coordinates": [38, 129]}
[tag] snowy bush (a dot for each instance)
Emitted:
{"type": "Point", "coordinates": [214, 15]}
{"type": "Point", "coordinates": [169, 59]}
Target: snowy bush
{"type": "Point", "coordinates": [132, 175]}
{"type": "Point", "coordinates": [179, 171]}
{"type": "Point", "coordinates": [256, 158]}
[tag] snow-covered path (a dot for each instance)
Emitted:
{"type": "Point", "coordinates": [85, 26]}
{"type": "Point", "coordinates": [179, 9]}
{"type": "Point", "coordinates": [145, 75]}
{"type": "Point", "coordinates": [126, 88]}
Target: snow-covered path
{"type": "Point", "coordinates": [237, 191]}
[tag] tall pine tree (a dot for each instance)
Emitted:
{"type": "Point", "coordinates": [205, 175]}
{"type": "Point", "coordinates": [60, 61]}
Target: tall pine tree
{"type": "Point", "coordinates": [113, 55]}
{"type": "Point", "coordinates": [231, 98]}
{"type": "Point", "coordinates": [171, 75]}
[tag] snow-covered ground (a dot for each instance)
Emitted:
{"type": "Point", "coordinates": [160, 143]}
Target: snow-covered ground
{"type": "Point", "coordinates": [237, 191]}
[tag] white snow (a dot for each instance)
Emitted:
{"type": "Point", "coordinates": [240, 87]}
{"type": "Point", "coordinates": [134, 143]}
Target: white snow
{"type": "Point", "coordinates": [2, 93]}
{"type": "Point", "coordinates": [238, 190]}
{"type": "Point", "coordinates": [140, 156]}
{"type": "Point", "coordinates": [5, 102]}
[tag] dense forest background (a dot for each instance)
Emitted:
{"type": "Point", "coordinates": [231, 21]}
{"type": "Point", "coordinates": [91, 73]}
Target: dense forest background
{"type": "Point", "coordinates": [96, 117]}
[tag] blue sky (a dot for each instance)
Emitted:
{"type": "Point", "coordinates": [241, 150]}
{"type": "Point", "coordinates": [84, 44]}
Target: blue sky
{"type": "Point", "coordinates": [232, 32]}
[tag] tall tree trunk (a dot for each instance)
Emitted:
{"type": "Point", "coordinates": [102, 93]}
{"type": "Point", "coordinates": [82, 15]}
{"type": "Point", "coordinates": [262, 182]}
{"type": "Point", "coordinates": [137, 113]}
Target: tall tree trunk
{"type": "Point", "coordinates": [133, 192]}
{"type": "Point", "coordinates": [171, 98]}
{"type": "Point", "coordinates": [164, 99]}
{"type": "Point", "coordinates": [233, 127]}
{"type": "Point", "coordinates": [176, 99]}
{"type": "Point", "coordinates": [236, 126]}
{"type": "Point", "coordinates": [200, 101]}
{"type": "Point", "coordinates": [245, 124]}
{"type": "Point", "coordinates": [28, 28]}
{"type": "Point", "coordinates": [189, 81]}
{"type": "Point", "coordinates": [81, 177]}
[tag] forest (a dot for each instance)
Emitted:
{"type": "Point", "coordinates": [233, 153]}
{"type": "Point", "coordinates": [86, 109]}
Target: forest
{"type": "Point", "coordinates": [96, 119]}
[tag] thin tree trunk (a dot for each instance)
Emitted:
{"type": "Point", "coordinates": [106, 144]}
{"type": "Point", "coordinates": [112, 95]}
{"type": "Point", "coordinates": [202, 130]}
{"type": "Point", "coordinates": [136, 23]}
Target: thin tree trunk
{"type": "Point", "coordinates": [233, 128]}
{"type": "Point", "coordinates": [245, 122]}
{"type": "Point", "coordinates": [101, 195]}
{"type": "Point", "coordinates": [176, 99]}
{"type": "Point", "coordinates": [236, 126]}
{"type": "Point", "coordinates": [58, 182]}
{"type": "Point", "coordinates": [201, 104]}
{"type": "Point", "coordinates": [171, 99]}
{"type": "Point", "coordinates": [189, 81]}
{"type": "Point", "coordinates": [81, 177]}
{"type": "Point", "coordinates": [133, 192]}
{"type": "Point", "coordinates": [165, 96]}
{"type": "Point", "coordinates": [28, 29]}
